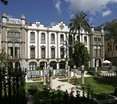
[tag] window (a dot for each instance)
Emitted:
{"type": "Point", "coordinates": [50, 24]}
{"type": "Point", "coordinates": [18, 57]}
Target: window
{"type": "Point", "coordinates": [62, 38]}
{"type": "Point", "coordinates": [42, 52]}
{"type": "Point", "coordinates": [95, 52]}
{"type": "Point", "coordinates": [52, 38]}
{"type": "Point", "coordinates": [10, 52]}
{"type": "Point", "coordinates": [98, 52]}
{"type": "Point", "coordinates": [85, 39]}
{"type": "Point", "coordinates": [116, 47]}
{"type": "Point", "coordinates": [52, 52]}
{"type": "Point", "coordinates": [32, 65]}
{"type": "Point", "coordinates": [32, 52]}
{"type": "Point", "coordinates": [32, 37]}
{"type": "Point", "coordinates": [17, 52]}
{"type": "Point", "coordinates": [95, 39]}
{"type": "Point", "coordinates": [99, 39]}
{"type": "Point", "coordinates": [13, 36]}
{"type": "Point", "coordinates": [43, 38]}
{"type": "Point", "coordinates": [62, 52]}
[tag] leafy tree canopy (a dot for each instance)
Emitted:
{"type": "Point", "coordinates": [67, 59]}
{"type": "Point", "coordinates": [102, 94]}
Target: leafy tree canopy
{"type": "Point", "coordinates": [81, 55]}
{"type": "Point", "coordinates": [111, 30]}
{"type": "Point", "coordinates": [3, 57]}
{"type": "Point", "coordinates": [5, 2]}
{"type": "Point", "coordinates": [78, 22]}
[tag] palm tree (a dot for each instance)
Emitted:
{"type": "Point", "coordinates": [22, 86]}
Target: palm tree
{"type": "Point", "coordinates": [76, 24]}
{"type": "Point", "coordinates": [5, 2]}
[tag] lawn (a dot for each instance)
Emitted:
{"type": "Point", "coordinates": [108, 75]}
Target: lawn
{"type": "Point", "coordinates": [98, 87]}
{"type": "Point", "coordinates": [38, 85]}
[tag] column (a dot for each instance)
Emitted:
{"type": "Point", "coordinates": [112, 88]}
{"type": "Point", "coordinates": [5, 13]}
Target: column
{"type": "Point", "coordinates": [18, 52]}
{"type": "Point", "coordinates": [57, 65]}
{"type": "Point", "coordinates": [48, 44]}
{"type": "Point", "coordinates": [57, 46]}
{"type": "Point", "coordinates": [13, 50]}
{"type": "Point", "coordinates": [37, 44]}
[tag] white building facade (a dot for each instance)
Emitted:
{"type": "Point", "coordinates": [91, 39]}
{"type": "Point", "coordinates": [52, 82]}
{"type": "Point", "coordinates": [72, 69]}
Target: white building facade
{"type": "Point", "coordinates": [35, 45]}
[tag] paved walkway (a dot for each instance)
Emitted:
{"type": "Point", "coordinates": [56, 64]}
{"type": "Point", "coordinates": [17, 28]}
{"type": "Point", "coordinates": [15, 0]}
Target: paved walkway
{"type": "Point", "coordinates": [56, 84]}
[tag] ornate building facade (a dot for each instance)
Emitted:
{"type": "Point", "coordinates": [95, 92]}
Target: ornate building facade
{"type": "Point", "coordinates": [111, 51]}
{"type": "Point", "coordinates": [37, 45]}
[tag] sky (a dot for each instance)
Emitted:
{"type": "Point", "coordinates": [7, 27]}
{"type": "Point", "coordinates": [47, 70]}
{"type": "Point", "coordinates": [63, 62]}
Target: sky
{"type": "Point", "coordinates": [50, 12]}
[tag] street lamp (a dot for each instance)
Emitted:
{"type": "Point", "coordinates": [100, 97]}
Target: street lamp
{"type": "Point", "coordinates": [50, 76]}
{"type": "Point", "coordinates": [82, 74]}
{"type": "Point", "coordinates": [66, 51]}
{"type": "Point", "coordinates": [45, 74]}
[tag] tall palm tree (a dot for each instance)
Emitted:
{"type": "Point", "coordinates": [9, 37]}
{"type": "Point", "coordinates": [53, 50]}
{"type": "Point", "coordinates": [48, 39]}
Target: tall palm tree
{"type": "Point", "coordinates": [5, 2]}
{"type": "Point", "coordinates": [76, 24]}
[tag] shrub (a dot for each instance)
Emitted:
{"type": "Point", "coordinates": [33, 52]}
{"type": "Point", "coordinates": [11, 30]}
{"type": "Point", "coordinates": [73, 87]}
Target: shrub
{"type": "Point", "coordinates": [74, 81]}
{"type": "Point", "coordinates": [39, 68]}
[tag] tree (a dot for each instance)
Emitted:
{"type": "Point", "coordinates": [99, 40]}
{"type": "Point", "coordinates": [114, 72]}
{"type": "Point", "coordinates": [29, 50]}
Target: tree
{"type": "Point", "coordinates": [5, 2]}
{"type": "Point", "coordinates": [81, 55]}
{"type": "Point", "coordinates": [76, 24]}
{"type": "Point", "coordinates": [12, 81]}
{"type": "Point", "coordinates": [111, 33]}
{"type": "Point", "coordinates": [111, 30]}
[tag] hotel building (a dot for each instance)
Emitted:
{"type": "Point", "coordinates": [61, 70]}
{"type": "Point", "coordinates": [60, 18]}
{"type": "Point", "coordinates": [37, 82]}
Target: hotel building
{"type": "Point", "coordinates": [35, 45]}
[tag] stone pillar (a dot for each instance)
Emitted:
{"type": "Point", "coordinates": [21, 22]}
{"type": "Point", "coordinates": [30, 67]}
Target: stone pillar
{"type": "Point", "coordinates": [58, 65]}
{"type": "Point", "coordinates": [37, 44]}
{"type": "Point", "coordinates": [44, 78]}
{"type": "Point", "coordinates": [13, 50]}
{"type": "Point", "coordinates": [57, 45]}
{"type": "Point", "coordinates": [82, 74]}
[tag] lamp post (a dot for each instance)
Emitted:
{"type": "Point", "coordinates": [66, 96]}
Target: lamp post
{"type": "Point", "coordinates": [45, 74]}
{"type": "Point", "coordinates": [82, 75]}
{"type": "Point", "coordinates": [67, 67]}
{"type": "Point", "coordinates": [50, 77]}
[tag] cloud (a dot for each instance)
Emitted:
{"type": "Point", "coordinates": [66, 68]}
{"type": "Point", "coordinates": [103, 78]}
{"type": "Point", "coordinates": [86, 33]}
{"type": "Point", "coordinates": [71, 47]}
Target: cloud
{"type": "Point", "coordinates": [57, 5]}
{"type": "Point", "coordinates": [106, 13]}
{"type": "Point", "coordinates": [91, 6]}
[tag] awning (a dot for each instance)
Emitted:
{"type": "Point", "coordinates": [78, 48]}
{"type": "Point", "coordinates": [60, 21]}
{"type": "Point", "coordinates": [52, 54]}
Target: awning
{"type": "Point", "coordinates": [106, 62]}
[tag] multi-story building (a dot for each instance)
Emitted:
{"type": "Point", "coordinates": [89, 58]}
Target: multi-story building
{"type": "Point", "coordinates": [97, 51]}
{"type": "Point", "coordinates": [111, 51]}
{"type": "Point", "coordinates": [37, 45]}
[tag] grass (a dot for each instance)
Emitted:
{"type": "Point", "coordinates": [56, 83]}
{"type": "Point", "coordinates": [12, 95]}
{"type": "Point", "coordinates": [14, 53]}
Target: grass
{"type": "Point", "coordinates": [38, 85]}
{"type": "Point", "coordinates": [96, 86]}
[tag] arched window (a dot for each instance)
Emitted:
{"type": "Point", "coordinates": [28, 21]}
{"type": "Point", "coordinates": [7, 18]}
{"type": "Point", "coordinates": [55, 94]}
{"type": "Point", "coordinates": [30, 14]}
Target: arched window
{"type": "Point", "coordinates": [32, 65]}
{"type": "Point", "coordinates": [52, 38]}
{"type": "Point", "coordinates": [32, 52]}
{"type": "Point", "coordinates": [42, 38]}
{"type": "Point", "coordinates": [62, 38]}
{"type": "Point", "coordinates": [85, 39]}
{"type": "Point", "coordinates": [62, 65]}
{"type": "Point", "coordinates": [32, 37]}
{"type": "Point", "coordinates": [42, 64]}
{"type": "Point", "coordinates": [62, 53]}
{"type": "Point", "coordinates": [43, 51]}
{"type": "Point", "coordinates": [52, 52]}
{"type": "Point", "coordinates": [53, 65]}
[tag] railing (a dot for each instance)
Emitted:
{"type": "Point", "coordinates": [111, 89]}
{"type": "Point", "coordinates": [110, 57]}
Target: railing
{"type": "Point", "coordinates": [40, 73]}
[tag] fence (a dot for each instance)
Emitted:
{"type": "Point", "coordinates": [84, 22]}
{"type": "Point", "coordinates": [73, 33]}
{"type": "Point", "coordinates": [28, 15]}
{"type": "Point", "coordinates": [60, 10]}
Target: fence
{"type": "Point", "coordinates": [41, 73]}
{"type": "Point", "coordinates": [12, 84]}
